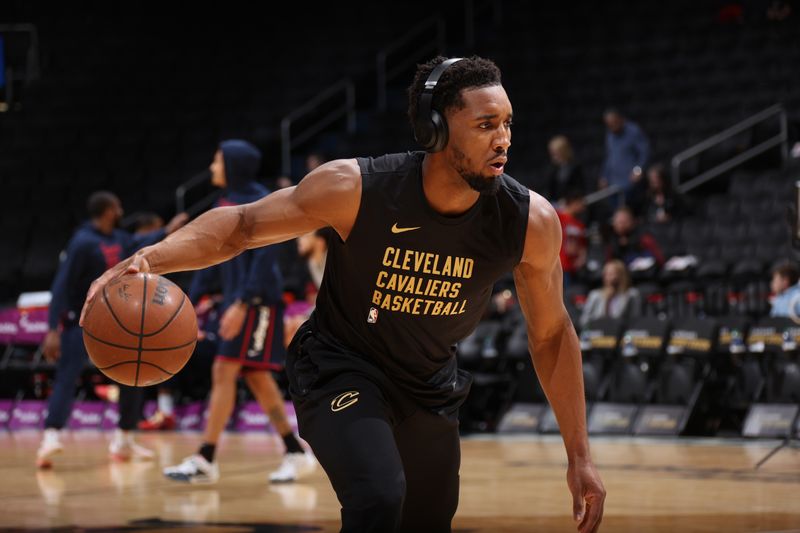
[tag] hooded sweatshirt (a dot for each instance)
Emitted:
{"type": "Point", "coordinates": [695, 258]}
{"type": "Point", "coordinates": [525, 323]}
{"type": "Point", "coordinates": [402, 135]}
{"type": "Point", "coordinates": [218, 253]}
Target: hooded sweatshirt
{"type": "Point", "coordinates": [253, 276]}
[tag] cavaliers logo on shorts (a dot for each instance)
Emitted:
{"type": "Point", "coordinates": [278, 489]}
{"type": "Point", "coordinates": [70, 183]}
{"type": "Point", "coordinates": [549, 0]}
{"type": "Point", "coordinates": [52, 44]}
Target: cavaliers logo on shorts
{"type": "Point", "coordinates": [344, 400]}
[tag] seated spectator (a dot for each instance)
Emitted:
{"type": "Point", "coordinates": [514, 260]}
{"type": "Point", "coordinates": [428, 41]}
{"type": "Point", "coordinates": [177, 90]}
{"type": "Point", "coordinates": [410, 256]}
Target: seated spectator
{"type": "Point", "coordinates": [627, 153]}
{"type": "Point", "coordinates": [657, 203]}
{"type": "Point", "coordinates": [785, 290]}
{"type": "Point", "coordinates": [573, 234]}
{"type": "Point", "coordinates": [615, 299]}
{"type": "Point", "coordinates": [636, 248]}
{"type": "Point", "coordinates": [564, 173]}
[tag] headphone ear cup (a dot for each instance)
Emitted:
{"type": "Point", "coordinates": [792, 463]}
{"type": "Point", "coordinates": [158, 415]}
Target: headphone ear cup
{"type": "Point", "coordinates": [424, 133]}
{"type": "Point", "coordinates": [439, 132]}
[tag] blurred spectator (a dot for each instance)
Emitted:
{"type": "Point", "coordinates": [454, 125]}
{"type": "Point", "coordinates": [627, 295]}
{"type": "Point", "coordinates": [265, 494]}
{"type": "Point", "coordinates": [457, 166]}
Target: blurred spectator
{"type": "Point", "coordinates": [636, 248]}
{"type": "Point", "coordinates": [627, 152]}
{"type": "Point", "coordinates": [564, 173]}
{"type": "Point", "coordinates": [779, 10]}
{"type": "Point", "coordinates": [281, 182]}
{"type": "Point", "coordinates": [573, 234]}
{"type": "Point", "coordinates": [657, 203]}
{"type": "Point", "coordinates": [315, 159]}
{"type": "Point", "coordinates": [615, 299]}
{"type": "Point", "coordinates": [145, 222]}
{"type": "Point", "coordinates": [785, 290]}
{"type": "Point", "coordinates": [304, 281]}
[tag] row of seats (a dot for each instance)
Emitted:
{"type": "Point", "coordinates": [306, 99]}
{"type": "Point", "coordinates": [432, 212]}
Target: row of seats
{"type": "Point", "coordinates": [714, 368]}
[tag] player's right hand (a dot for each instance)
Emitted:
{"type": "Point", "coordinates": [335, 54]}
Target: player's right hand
{"type": "Point", "coordinates": [132, 265]}
{"type": "Point", "coordinates": [51, 346]}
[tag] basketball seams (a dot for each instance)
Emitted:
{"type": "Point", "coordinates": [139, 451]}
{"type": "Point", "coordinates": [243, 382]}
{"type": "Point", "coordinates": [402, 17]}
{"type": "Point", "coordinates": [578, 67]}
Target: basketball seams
{"type": "Point", "coordinates": [118, 363]}
{"type": "Point", "coordinates": [134, 348]}
{"type": "Point", "coordinates": [169, 321]}
{"type": "Point", "coordinates": [113, 314]}
{"type": "Point", "coordinates": [141, 331]}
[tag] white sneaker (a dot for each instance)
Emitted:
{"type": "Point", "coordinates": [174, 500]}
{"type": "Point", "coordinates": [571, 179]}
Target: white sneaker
{"type": "Point", "coordinates": [295, 466]}
{"type": "Point", "coordinates": [193, 469]}
{"type": "Point", "coordinates": [126, 450]}
{"type": "Point", "coordinates": [50, 446]}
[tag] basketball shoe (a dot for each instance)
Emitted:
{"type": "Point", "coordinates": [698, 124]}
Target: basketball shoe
{"type": "Point", "coordinates": [50, 446]}
{"type": "Point", "coordinates": [295, 466]}
{"type": "Point", "coordinates": [123, 448]}
{"type": "Point", "coordinates": [193, 469]}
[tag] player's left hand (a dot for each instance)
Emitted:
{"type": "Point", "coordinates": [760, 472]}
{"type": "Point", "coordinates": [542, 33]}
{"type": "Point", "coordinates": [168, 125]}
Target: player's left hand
{"type": "Point", "coordinates": [588, 495]}
{"type": "Point", "coordinates": [230, 325]}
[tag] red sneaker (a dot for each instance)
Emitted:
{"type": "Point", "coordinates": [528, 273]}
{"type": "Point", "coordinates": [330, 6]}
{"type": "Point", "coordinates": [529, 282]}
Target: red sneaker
{"type": "Point", "coordinates": [158, 422]}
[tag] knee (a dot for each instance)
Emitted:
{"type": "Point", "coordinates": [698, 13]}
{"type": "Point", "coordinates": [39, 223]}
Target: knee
{"type": "Point", "coordinates": [384, 498]}
{"type": "Point", "coordinates": [223, 373]}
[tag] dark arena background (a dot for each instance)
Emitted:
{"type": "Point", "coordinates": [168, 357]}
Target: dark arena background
{"type": "Point", "coordinates": [665, 134]}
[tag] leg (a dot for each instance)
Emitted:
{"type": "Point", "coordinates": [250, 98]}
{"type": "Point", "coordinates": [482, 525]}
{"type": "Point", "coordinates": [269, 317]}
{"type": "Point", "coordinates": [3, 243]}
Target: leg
{"type": "Point", "coordinates": [297, 463]}
{"type": "Point", "coordinates": [201, 467]}
{"type": "Point", "coordinates": [430, 448]}
{"type": "Point", "coordinates": [223, 398]}
{"type": "Point", "coordinates": [59, 405]}
{"type": "Point", "coordinates": [122, 447]}
{"type": "Point", "coordinates": [356, 447]}
{"type": "Point", "coordinates": [70, 365]}
{"type": "Point", "coordinates": [130, 407]}
{"type": "Point", "coordinates": [269, 397]}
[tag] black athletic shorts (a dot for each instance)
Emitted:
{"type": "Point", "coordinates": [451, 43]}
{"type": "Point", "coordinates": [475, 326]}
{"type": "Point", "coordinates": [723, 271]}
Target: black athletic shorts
{"type": "Point", "coordinates": [393, 463]}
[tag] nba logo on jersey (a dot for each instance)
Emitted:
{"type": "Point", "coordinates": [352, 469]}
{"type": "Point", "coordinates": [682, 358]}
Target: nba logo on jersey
{"type": "Point", "coordinates": [373, 315]}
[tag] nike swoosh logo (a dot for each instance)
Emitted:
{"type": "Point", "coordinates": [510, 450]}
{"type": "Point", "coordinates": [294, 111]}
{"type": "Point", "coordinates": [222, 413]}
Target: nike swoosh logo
{"type": "Point", "coordinates": [395, 229]}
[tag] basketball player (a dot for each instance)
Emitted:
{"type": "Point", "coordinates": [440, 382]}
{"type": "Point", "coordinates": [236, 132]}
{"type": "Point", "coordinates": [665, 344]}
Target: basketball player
{"type": "Point", "coordinates": [251, 329]}
{"type": "Point", "coordinates": [95, 247]}
{"type": "Point", "coordinates": [421, 239]}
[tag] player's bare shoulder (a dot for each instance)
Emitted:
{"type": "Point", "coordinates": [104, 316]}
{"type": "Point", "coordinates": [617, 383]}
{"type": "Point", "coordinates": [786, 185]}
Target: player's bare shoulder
{"type": "Point", "coordinates": [331, 193]}
{"type": "Point", "coordinates": [543, 238]}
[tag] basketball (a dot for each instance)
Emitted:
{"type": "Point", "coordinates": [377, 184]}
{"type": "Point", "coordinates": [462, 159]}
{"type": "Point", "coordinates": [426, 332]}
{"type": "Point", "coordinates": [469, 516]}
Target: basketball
{"type": "Point", "coordinates": [140, 330]}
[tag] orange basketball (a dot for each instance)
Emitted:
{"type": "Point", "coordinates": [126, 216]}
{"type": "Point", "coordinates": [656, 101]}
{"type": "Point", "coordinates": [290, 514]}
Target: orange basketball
{"type": "Point", "coordinates": [140, 330]}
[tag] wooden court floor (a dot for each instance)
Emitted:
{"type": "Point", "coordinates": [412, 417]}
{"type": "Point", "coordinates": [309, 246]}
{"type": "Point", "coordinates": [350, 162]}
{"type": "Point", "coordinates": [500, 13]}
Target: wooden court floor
{"type": "Point", "coordinates": [508, 484]}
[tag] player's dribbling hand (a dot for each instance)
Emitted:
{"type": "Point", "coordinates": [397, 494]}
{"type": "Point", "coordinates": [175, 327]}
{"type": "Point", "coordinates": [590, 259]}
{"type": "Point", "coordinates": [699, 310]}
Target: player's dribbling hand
{"type": "Point", "coordinates": [132, 265]}
{"type": "Point", "coordinates": [51, 346]}
{"type": "Point", "coordinates": [588, 495]}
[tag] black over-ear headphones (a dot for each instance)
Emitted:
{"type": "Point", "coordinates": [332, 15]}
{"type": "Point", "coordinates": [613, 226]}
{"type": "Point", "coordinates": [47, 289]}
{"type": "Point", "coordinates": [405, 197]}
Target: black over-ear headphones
{"type": "Point", "coordinates": [430, 127]}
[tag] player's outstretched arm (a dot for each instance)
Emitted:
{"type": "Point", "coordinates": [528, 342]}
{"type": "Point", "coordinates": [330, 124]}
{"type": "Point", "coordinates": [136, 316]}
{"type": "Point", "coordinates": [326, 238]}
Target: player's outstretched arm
{"type": "Point", "coordinates": [556, 355]}
{"type": "Point", "coordinates": [328, 196]}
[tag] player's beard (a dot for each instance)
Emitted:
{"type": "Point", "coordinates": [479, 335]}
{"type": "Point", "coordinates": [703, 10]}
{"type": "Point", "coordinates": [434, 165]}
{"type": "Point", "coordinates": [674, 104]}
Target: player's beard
{"type": "Point", "coordinates": [486, 185]}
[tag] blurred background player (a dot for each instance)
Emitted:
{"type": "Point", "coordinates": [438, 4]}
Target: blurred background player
{"type": "Point", "coordinates": [250, 331]}
{"type": "Point", "coordinates": [96, 246]}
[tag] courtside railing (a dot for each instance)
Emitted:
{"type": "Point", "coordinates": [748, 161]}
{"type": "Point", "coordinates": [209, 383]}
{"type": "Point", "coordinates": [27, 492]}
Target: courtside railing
{"type": "Point", "coordinates": [396, 58]}
{"type": "Point", "coordinates": [344, 89]}
{"type": "Point", "coordinates": [779, 139]}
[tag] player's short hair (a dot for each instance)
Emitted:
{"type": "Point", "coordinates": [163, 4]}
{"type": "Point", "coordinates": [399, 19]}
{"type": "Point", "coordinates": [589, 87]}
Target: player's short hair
{"type": "Point", "coordinates": [469, 73]}
{"type": "Point", "coordinates": [787, 269]}
{"type": "Point", "coordinates": [99, 202]}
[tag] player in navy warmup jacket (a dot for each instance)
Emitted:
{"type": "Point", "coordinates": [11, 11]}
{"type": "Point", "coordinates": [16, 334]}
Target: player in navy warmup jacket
{"type": "Point", "coordinates": [251, 329]}
{"type": "Point", "coordinates": [96, 246]}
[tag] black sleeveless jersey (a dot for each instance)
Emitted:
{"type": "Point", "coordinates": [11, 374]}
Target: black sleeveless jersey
{"type": "Point", "coordinates": [409, 283]}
